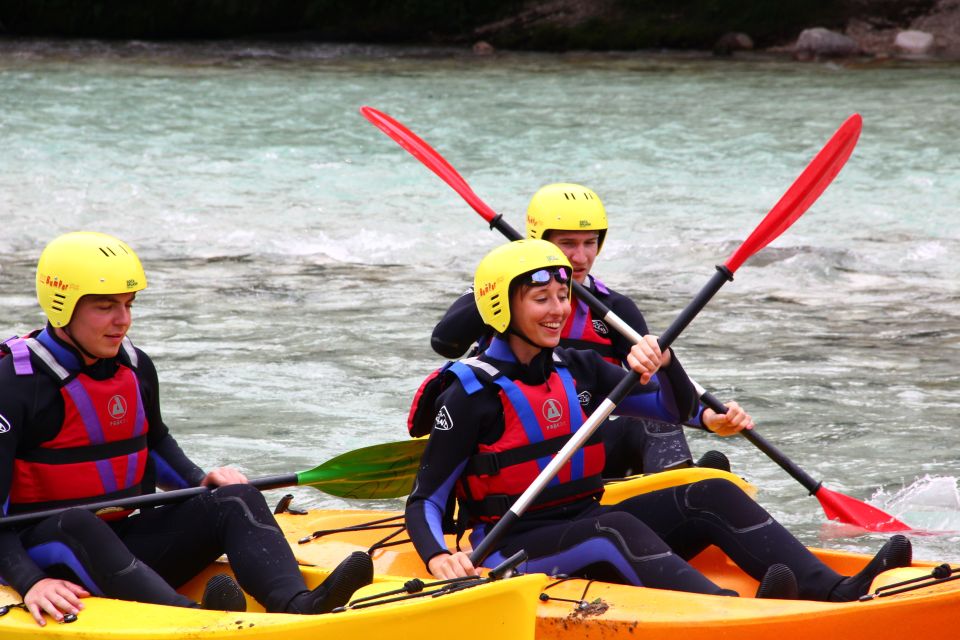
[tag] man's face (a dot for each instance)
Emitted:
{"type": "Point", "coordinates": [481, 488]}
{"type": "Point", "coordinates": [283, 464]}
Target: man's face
{"type": "Point", "coordinates": [580, 247]}
{"type": "Point", "coordinates": [100, 322]}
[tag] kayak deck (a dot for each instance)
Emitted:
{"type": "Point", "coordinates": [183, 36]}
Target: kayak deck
{"type": "Point", "coordinates": [500, 609]}
{"type": "Point", "coordinates": [619, 611]}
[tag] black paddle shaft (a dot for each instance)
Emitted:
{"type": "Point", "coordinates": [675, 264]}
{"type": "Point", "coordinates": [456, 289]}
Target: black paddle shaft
{"type": "Point", "coordinates": [147, 500]}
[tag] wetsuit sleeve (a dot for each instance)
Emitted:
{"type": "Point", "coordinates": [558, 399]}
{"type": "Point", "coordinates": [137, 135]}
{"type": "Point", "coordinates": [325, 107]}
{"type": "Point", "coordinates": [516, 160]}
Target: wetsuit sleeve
{"type": "Point", "coordinates": [16, 392]}
{"type": "Point", "coordinates": [697, 420]}
{"type": "Point", "coordinates": [673, 400]}
{"type": "Point", "coordinates": [627, 311]}
{"type": "Point", "coordinates": [172, 468]}
{"type": "Point", "coordinates": [457, 431]}
{"type": "Point", "coordinates": [459, 328]}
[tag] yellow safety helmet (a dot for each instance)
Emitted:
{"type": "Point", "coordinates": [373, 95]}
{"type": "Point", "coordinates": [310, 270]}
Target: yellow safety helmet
{"type": "Point", "coordinates": [503, 265]}
{"type": "Point", "coordinates": [566, 207]}
{"type": "Point", "coordinates": [81, 263]}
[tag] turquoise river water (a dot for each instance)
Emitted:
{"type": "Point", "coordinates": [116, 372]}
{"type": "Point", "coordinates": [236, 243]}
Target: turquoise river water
{"type": "Point", "coordinates": [298, 258]}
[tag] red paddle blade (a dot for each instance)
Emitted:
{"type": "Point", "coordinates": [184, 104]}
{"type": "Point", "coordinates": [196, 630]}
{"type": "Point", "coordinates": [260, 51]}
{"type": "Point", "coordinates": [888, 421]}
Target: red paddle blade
{"type": "Point", "coordinates": [849, 510]}
{"type": "Point", "coordinates": [429, 157]}
{"type": "Point", "coordinates": [803, 192]}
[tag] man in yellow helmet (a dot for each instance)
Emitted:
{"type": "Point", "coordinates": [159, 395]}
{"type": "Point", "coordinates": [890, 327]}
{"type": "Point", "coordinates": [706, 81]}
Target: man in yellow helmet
{"type": "Point", "coordinates": [80, 422]}
{"type": "Point", "coordinates": [573, 217]}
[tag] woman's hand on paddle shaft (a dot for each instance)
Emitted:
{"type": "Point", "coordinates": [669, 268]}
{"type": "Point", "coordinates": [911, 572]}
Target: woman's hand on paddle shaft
{"type": "Point", "coordinates": [55, 598]}
{"type": "Point", "coordinates": [223, 476]}
{"type": "Point", "coordinates": [729, 423]}
{"type": "Point", "coordinates": [456, 565]}
{"type": "Point", "coordinates": [645, 358]}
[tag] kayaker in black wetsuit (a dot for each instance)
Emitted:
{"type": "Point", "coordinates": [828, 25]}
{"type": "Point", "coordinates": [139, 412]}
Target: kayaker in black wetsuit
{"type": "Point", "coordinates": [573, 218]}
{"type": "Point", "coordinates": [506, 411]}
{"type": "Point", "coordinates": [80, 422]}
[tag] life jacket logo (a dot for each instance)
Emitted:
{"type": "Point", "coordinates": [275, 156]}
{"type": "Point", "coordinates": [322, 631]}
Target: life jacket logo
{"type": "Point", "coordinates": [443, 421]}
{"type": "Point", "coordinates": [56, 283]}
{"type": "Point", "coordinates": [584, 397]}
{"type": "Point", "coordinates": [117, 407]}
{"type": "Point", "coordinates": [552, 410]}
{"type": "Point", "coordinates": [4, 424]}
{"type": "Point", "coordinates": [600, 327]}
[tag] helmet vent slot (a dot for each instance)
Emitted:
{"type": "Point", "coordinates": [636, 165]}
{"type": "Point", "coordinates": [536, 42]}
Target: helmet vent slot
{"type": "Point", "coordinates": [107, 251]}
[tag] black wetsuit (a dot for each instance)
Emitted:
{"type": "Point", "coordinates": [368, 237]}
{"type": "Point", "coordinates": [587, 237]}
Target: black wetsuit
{"type": "Point", "coordinates": [645, 540]}
{"type": "Point", "coordinates": [633, 445]}
{"type": "Point", "coordinates": [143, 556]}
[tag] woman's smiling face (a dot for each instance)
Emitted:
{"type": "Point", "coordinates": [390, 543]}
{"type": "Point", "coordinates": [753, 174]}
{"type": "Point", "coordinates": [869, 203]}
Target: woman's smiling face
{"type": "Point", "coordinates": [539, 313]}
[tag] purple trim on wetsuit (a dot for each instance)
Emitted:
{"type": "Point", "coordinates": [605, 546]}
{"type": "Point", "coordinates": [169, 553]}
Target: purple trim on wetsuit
{"type": "Point", "coordinates": [500, 350]}
{"type": "Point", "coordinates": [67, 359]}
{"type": "Point", "coordinates": [51, 553]}
{"type": "Point", "coordinates": [433, 506]}
{"type": "Point", "coordinates": [167, 477]}
{"type": "Point", "coordinates": [571, 561]}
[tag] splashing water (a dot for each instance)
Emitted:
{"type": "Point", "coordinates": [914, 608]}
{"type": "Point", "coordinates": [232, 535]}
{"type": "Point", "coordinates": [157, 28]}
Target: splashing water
{"type": "Point", "coordinates": [930, 504]}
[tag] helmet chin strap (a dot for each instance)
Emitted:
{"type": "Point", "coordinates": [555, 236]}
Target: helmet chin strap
{"type": "Point", "coordinates": [76, 343]}
{"type": "Point", "coordinates": [523, 337]}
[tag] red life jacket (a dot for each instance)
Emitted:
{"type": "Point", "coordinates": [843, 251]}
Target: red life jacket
{"type": "Point", "coordinates": [583, 331]}
{"type": "Point", "coordinates": [101, 450]}
{"type": "Point", "coordinates": [538, 421]}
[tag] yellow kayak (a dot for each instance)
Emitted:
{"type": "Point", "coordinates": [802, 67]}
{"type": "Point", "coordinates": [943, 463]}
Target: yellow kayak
{"type": "Point", "coordinates": [574, 609]}
{"type": "Point", "coordinates": [502, 609]}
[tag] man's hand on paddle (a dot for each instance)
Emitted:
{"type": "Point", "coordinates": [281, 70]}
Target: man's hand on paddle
{"type": "Point", "coordinates": [729, 423]}
{"type": "Point", "coordinates": [222, 476]}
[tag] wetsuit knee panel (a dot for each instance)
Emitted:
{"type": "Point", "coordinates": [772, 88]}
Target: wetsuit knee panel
{"type": "Point", "coordinates": [629, 535]}
{"type": "Point", "coordinates": [85, 528]}
{"type": "Point", "coordinates": [726, 501]}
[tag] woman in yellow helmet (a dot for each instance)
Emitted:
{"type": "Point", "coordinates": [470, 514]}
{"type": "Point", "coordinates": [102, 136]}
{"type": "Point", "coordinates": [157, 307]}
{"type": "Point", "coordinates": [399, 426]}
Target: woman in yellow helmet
{"type": "Point", "coordinates": [573, 217]}
{"type": "Point", "coordinates": [505, 413]}
{"type": "Point", "coordinates": [80, 422]}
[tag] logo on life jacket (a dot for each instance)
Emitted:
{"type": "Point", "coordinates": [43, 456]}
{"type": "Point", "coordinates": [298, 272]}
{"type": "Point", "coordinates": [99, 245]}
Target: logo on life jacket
{"type": "Point", "coordinates": [443, 421]}
{"type": "Point", "coordinates": [117, 407]}
{"type": "Point", "coordinates": [600, 327]}
{"type": "Point", "coordinates": [552, 410]}
{"type": "Point", "coordinates": [584, 398]}
{"type": "Point", "coordinates": [4, 424]}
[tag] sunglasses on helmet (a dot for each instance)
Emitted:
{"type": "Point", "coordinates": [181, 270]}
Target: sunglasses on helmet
{"type": "Point", "coordinates": [541, 277]}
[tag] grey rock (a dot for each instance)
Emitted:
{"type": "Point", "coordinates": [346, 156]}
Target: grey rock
{"type": "Point", "coordinates": [914, 42]}
{"type": "Point", "coordinates": [823, 43]}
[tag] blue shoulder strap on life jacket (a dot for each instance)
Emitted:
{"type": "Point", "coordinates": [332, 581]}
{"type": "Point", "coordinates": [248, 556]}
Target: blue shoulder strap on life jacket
{"type": "Point", "coordinates": [466, 372]}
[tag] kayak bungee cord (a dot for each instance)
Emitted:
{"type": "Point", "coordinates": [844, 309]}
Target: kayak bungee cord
{"type": "Point", "coordinates": [938, 575]}
{"type": "Point", "coordinates": [583, 607]}
{"type": "Point", "coordinates": [417, 588]}
{"type": "Point", "coordinates": [364, 526]}
{"type": "Point", "coordinates": [5, 609]}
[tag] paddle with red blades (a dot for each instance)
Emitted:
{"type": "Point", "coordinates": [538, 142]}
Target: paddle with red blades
{"type": "Point", "coordinates": [805, 190]}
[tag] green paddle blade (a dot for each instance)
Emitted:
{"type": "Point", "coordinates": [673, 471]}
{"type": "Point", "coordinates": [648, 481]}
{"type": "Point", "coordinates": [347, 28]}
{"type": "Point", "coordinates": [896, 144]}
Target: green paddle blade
{"type": "Point", "coordinates": [380, 471]}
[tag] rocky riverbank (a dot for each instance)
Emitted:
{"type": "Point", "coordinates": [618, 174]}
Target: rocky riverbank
{"type": "Point", "coordinates": [806, 29]}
